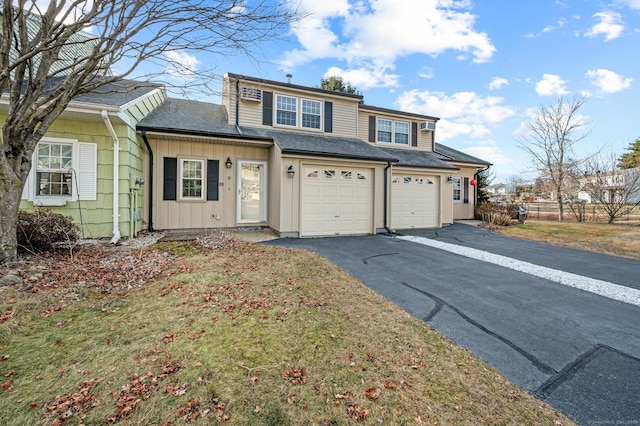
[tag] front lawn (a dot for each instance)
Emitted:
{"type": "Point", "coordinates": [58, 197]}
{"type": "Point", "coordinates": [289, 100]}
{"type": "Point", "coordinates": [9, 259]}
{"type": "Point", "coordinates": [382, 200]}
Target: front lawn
{"type": "Point", "coordinates": [245, 335]}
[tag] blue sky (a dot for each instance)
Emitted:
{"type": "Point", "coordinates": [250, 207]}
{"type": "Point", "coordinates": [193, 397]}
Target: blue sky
{"type": "Point", "coordinates": [481, 66]}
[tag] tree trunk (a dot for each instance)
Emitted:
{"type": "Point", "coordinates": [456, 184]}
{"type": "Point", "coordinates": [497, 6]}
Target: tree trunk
{"type": "Point", "coordinates": [560, 209]}
{"type": "Point", "coordinates": [11, 190]}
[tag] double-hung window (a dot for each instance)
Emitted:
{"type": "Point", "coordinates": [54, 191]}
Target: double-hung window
{"type": "Point", "coordinates": [191, 179]}
{"type": "Point", "coordinates": [53, 169]}
{"type": "Point", "coordinates": [287, 108]}
{"type": "Point", "coordinates": [385, 130]}
{"type": "Point", "coordinates": [62, 170]}
{"type": "Point", "coordinates": [286, 111]}
{"type": "Point", "coordinates": [457, 189]}
{"type": "Point", "coordinates": [311, 116]}
{"type": "Point", "coordinates": [389, 131]}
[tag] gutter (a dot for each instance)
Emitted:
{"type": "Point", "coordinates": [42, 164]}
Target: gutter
{"type": "Point", "coordinates": [116, 176]}
{"type": "Point", "coordinates": [386, 184]}
{"type": "Point", "coordinates": [151, 161]}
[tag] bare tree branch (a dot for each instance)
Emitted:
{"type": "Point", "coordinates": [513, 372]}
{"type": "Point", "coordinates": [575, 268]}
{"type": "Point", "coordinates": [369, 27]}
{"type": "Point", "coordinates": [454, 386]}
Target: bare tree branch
{"type": "Point", "coordinates": [550, 137]}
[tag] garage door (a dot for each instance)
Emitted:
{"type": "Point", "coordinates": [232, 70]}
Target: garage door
{"type": "Point", "coordinates": [336, 201]}
{"type": "Point", "coordinates": [415, 201]}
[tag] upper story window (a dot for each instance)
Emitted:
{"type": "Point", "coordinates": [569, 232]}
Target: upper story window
{"type": "Point", "coordinates": [53, 169]}
{"type": "Point", "coordinates": [311, 116]}
{"type": "Point", "coordinates": [393, 131]}
{"type": "Point", "coordinates": [287, 108]}
{"type": "Point", "coordinates": [457, 189]}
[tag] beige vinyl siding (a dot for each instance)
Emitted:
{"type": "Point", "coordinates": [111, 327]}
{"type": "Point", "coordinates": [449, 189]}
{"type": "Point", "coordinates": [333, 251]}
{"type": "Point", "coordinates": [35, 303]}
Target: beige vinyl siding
{"type": "Point", "coordinates": [176, 214]}
{"type": "Point", "coordinates": [345, 110]}
{"type": "Point", "coordinates": [425, 138]}
{"type": "Point", "coordinates": [460, 209]}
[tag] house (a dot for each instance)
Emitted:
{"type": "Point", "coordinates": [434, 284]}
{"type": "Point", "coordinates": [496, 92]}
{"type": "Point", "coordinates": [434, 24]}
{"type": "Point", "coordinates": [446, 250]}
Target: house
{"type": "Point", "coordinates": [91, 162]}
{"type": "Point", "coordinates": [302, 161]}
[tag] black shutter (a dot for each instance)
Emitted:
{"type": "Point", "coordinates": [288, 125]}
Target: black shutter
{"type": "Point", "coordinates": [328, 117]}
{"type": "Point", "coordinates": [372, 128]}
{"type": "Point", "coordinates": [267, 108]}
{"type": "Point", "coordinates": [414, 134]}
{"type": "Point", "coordinates": [213, 173]}
{"type": "Point", "coordinates": [170, 183]}
{"type": "Point", "coordinates": [466, 190]}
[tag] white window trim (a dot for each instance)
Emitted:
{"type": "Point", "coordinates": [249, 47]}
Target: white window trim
{"type": "Point", "coordinates": [203, 178]}
{"type": "Point", "coordinates": [298, 112]}
{"type": "Point", "coordinates": [321, 114]}
{"type": "Point", "coordinates": [457, 182]}
{"type": "Point", "coordinates": [393, 131]}
{"type": "Point", "coordinates": [83, 188]}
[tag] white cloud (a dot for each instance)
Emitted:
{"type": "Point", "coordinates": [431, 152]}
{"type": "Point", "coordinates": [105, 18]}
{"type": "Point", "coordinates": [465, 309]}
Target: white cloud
{"type": "Point", "coordinates": [561, 23]}
{"type": "Point", "coordinates": [365, 78]}
{"type": "Point", "coordinates": [379, 31]}
{"type": "Point", "coordinates": [610, 26]}
{"type": "Point", "coordinates": [608, 81]}
{"type": "Point", "coordinates": [497, 83]}
{"type": "Point", "coordinates": [551, 85]}
{"type": "Point", "coordinates": [181, 65]}
{"type": "Point", "coordinates": [489, 151]}
{"type": "Point", "coordinates": [463, 113]}
{"type": "Point", "coordinates": [633, 4]}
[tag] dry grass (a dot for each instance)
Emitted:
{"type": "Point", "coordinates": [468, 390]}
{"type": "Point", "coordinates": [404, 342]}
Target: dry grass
{"type": "Point", "coordinates": [619, 240]}
{"type": "Point", "coordinates": [247, 335]}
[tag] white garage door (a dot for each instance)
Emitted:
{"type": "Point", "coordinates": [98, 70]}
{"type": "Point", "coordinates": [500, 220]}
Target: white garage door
{"type": "Point", "coordinates": [415, 201]}
{"type": "Point", "coordinates": [336, 201]}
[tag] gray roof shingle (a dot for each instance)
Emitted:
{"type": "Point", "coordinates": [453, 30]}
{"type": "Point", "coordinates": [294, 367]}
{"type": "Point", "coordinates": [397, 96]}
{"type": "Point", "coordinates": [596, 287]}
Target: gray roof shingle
{"type": "Point", "coordinates": [415, 158]}
{"type": "Point", "coordinates": [455, 155]}
{"type": "Point", "coordinates": [190, 117]}
{"type": "Point", "coordinates": [323, 145]}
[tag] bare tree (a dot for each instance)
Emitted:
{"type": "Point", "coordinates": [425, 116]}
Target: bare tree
{"type": "Point", "coordinates": [51, 55]}
{"type": "Point", "coordinates": [549, 139]}
{"type": "Point", "coordinates": [615, 191]}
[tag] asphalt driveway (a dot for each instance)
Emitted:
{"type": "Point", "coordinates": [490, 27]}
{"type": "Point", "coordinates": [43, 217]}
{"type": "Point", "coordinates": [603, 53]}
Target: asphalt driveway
{"type": "Point", "coordinates": [576, 350]}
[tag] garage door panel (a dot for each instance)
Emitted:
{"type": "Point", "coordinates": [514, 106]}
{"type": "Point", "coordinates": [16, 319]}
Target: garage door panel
{"type": "Point", "coordinates": [342, 199]}
{"type": "Point", "coordinates": [414, 201]}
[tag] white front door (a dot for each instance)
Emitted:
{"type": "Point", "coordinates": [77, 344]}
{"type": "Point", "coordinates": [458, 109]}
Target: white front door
{"type": "Point", "coordinates": [252, 192]}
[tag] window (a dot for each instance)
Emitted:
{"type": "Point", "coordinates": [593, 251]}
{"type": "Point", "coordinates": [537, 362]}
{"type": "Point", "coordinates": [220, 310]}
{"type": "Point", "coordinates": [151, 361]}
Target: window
{"type": "Point", "coordinates": [457, 187]}
{"type": "Point", "coordinates": [53, 169]}
{"type": "Point", "coordinates": [311, 114]}
{"type": "Point", "coordinates": [384, 130]}
{"type": "Point", "coordinates": [191, 179]}
{"type": "Point", "coordinates": [393, 131]}
{"type": "Point", "coordinates": [286, 111]}
{"type": "Point", "coordinates": [401, 132]}
{"type": "Point", "coordinates": [63, 170]}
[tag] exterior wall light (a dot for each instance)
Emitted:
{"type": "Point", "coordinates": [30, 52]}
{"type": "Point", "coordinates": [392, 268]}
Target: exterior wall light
{"type": "Point", "coordinates": [228, 163]}
{"type": "Point", "coordinates": [450, 179]}
{"type": "Point", "coordinates": [290, 171]}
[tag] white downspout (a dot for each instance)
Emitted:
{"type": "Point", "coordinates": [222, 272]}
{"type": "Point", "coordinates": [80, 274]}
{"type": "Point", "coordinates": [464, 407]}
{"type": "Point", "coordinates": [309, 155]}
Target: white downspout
{"type": "Point", "coordinates": [116, 177]}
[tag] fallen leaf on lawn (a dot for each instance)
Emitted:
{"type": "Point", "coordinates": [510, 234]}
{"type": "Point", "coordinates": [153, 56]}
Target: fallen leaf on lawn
{"type": "Point", "coordinates": [4, 357]}
{"type": "Point", "coordinates": [372, 393]}
{"type": "Point", "coordinates": [11, 373]}
{"type": "Point", "coordinates": [389, 385]}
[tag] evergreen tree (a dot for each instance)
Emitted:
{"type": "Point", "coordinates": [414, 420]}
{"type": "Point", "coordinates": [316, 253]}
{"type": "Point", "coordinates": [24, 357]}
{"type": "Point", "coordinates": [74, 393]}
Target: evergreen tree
{"type": "Point", "coordinates": [631, 159]}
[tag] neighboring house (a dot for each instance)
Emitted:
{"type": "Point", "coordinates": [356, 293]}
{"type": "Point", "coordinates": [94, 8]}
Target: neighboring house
{"type": "Point", "coordinates": [623, 183]}
{"type": "Point", "coordinates": [303, 161]}
{"type": "Point", "coordinates": [87, 164]}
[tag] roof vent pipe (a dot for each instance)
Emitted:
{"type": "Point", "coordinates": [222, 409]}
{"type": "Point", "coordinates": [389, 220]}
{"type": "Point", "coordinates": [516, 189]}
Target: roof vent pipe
{"type": "Point", "coordinates": [289, 76]}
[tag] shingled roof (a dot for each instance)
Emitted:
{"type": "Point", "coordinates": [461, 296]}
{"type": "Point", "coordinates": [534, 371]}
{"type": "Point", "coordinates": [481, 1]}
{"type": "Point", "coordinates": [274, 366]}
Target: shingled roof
{"type": "Point", "coordinates": [451, 154]}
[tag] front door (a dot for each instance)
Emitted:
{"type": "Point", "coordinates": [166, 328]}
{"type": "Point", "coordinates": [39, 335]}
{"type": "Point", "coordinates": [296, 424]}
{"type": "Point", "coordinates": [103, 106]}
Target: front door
{"type": "Point", "coordinates": [252, 192]}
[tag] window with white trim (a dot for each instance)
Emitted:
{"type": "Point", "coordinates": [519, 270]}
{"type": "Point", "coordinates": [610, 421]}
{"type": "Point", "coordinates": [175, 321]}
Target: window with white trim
{"type": "Point", "coordinates": [53, 169]}
{"type": "Point", "coordinates": [457, 189]}
{"type": "Point", "coordinates": [286, 111]}
{"type": "Point", "coordinates": [389, 131]}
{"type": "Point", "coordinates": [191, 179]}
{"type": "Point", "coordinates": [311, 116]}
{"type": "Point", "coordinates": [62, 170]}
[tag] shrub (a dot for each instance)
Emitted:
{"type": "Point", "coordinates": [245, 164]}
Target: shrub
{"type": "Point", "coordinates": [497, 214]}
{"type": "Point", "coordinates": [43, 230]}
